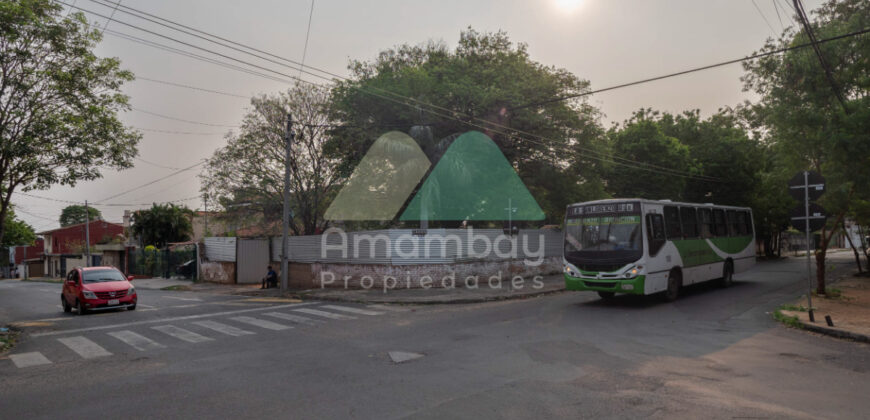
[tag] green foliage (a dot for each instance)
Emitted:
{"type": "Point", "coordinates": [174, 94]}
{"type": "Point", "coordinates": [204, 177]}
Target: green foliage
{"type": "Point", "coordinates": [17, 231]}
{"type": "Point", "coordinates": [246, 176]}
{"type": "Point", "coordinates": [58, 101]}
{"type": "Point", "coordinates": [642, 139]}
{"type": "Point", "coordinates": [481, 79]}
{"type": "Point", "coordinates": [805, 123]}
{"type": "Point", "coordinates": [162, 224]}
{"type": "Point", "coordinates": [75, 214]}
{"type": "Point", "coordinates": [791, 321]}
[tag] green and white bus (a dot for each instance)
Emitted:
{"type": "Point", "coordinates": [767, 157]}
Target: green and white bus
{"type": "Point", "coordinates": [645, 246]}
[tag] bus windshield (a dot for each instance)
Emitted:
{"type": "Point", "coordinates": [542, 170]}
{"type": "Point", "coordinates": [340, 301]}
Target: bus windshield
{"type": "Point", "coordinates": [603, 233]}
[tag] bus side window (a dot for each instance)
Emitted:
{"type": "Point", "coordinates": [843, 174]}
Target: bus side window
{"type": "Point", "coordinates": [719, 228]}
{"type": "Point", "coordinates": [690, 222]}
{"type": "Point", "coordinates": [733, 230]}
{"type": "Point", "coordinates": [672, 223]}
{"type": "Point", "coordinates": [741, 223]}
{"type": "Point", "coordinates": [705, 221]}
{"type": "Point", "coordinates": [748, 222]}
{"type": "Point", "coordinates": [655, 225]}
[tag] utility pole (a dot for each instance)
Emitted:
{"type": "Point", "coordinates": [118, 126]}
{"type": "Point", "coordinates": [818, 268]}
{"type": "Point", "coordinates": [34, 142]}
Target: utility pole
{"type": "Point", "coordinates": [205, 214]}
{"type": "Point", "coordinates": [285, 240]}
{"type": "Point", "coordinates": [809, 259]}
{"type": "Point", "coordinates": [87, 235]}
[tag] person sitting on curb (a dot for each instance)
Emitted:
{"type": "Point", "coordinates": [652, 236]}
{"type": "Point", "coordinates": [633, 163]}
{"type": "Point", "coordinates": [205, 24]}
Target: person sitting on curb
{"type": "Point", "coordinates": [271, 279]}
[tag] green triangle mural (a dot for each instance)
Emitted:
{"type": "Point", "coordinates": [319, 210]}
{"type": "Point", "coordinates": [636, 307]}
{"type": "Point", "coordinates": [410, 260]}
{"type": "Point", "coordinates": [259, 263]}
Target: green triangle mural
{"type": "Point", "coordinates": [473, 181]}
{"type": "Point", "coordinates": [383, 180]}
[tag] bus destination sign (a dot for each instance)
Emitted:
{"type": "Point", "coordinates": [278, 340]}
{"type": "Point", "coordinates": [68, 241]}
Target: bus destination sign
{"type": "Point", "coordinates": [602, 208]}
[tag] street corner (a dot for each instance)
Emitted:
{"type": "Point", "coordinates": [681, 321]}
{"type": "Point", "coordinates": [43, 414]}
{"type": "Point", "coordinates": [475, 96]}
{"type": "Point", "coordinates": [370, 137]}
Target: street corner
{"type": "Point", "coordinates": [843, 312]}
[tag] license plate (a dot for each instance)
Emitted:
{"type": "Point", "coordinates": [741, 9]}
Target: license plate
{"type": "Point", "coordinates": [114, 302]}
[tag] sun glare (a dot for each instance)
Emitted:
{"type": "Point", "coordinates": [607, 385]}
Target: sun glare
{"type": "Point", "coordinates": [568, 6]}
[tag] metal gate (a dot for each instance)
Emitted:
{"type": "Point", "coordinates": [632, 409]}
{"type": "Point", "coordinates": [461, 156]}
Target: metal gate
{"type": "Point", "coordinates": [252, 258]}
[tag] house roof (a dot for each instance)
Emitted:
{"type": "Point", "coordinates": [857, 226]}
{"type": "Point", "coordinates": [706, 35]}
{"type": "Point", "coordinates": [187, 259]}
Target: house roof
{"type": "Point", "coordinates": [48, 232]}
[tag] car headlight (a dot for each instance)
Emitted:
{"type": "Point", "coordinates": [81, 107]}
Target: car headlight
{"type": "Point", "coordinates": [89, 294]}
{"type": "Point", "coordinates": [130, 291]}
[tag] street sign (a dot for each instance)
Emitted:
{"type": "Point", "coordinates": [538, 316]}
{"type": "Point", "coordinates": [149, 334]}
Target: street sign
{"type": "Point", "coordinates": [816, 186]}
{"type": "Point", "coordinates": [817, 217]}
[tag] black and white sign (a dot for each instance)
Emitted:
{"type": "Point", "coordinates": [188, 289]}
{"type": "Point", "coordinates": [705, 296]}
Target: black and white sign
{"type": "Point", "coordinates": [817, 217]}
{"type": "Point", "coordinates": [816, 186]}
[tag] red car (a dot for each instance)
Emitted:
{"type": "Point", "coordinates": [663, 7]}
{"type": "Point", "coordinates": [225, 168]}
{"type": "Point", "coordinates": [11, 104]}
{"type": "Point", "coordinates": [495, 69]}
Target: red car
{"type": "Point", "coordinates": [96, 289]}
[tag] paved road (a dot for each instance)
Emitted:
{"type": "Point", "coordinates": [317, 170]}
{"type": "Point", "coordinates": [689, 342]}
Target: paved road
{"type": "Point", "coordinates": [713, 353]}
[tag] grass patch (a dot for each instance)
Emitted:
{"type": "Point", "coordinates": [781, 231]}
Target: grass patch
{"type": "Point", "coordinates": [791, 321]}
{"type": "Point", "coordinates": [43, 280]}
{"type": "Point", "coordinates": [793, 308]}
{"type": "Point", "coordinates": [177, 287]}
{"type": "Point", "coordinates": [7, 339]}
{"type": "Point", "coordinates": [831, 293]}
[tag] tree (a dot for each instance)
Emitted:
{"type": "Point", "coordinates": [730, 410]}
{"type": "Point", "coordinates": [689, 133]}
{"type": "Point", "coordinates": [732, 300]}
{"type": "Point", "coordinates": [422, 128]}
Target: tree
{"type": "Point", "coordinates": [641, 139]}
{"type": "Point", "coordinates": [247, 175]}
{"type": "Point", "coordinates": [17, 231]}
{"type": "Point", "coordinates": [58, 102]}
{"type": "Point", "coordinates": [434, 93]}
{"type": "Point", "coordinates": [75, 214]}
{"type": "Point", "coordinates": [804, 120]}
{"type": "Point", "coordinates": [162, 224]}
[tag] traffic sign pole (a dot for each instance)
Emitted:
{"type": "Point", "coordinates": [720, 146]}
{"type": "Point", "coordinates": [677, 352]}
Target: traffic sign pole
{"type": "Point", "coordinates": [809, 261]}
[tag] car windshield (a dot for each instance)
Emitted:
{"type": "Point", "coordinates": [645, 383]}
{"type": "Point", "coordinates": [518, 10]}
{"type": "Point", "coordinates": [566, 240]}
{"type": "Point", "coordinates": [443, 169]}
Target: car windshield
{"type": "Point", "coordinates": [603, 233]}
{"type": "Point", "coordinates": [101, 276]}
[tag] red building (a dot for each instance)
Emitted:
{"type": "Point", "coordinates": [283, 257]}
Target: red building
{"type": "Point", "coordinates": [30, 258]}
{"type": "Point", "coordinates": [65, 247]}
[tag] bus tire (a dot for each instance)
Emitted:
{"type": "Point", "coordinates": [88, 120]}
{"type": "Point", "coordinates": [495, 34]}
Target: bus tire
{"type": "Point", "coordinates": [675, 282]}
{"type": "Point", "coordinates": [728, 274]}
{"type": "Point", "coordinates": [606, 295]}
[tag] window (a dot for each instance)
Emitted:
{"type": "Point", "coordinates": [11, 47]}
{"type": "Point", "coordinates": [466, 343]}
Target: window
{"type": "Point", "coordinates": [733, 230]}
{"type": "Point", "coordinates": [741, 223]}
{"type": "Point", "coordinates": [705, 221]}
{"type": "Point", "coordinates": [672, 223]}
{"type": "Point", "coordinates": [719, 228]}
{"type": "Point", "coordinates": [690, 222]}
{"type": "Point", "coordinates": [655, 229]}
{"type": "Point", "coordinates": [747, 222]}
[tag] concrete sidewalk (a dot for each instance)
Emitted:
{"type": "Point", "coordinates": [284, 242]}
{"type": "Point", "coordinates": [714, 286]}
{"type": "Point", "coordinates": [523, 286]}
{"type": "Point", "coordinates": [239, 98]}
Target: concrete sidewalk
{"type": "Point", "coordinates": [484, 293]}
{"type": "Point", "coordinates": [160, 283]}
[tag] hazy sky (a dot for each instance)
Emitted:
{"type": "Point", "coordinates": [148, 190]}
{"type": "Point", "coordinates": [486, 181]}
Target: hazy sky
{"type": "Point", "coordinates": [606, 42]}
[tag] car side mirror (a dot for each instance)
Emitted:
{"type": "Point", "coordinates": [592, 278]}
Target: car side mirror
{"type": "Point", "coordinates": [130, 278]}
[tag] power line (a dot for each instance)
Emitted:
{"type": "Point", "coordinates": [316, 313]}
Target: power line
{"type": "Point", "coordinates": [307, 33]}
{"type": "Point", "coordinates": [391, 93]}
{"type": "Point", "coordinates": [772, 31]}
{"type": "Point", "coordinates": [192, 87]}
{"type": "Point", "coordinates": [155, 164]}
{"type": "Point", "coordinates": [692, 70]}
{"type": "Point", "coordinates": [187, 133]}
{"type": "Point", "coordinates": [778, 17]}
{"type": "Point", "coordinates": [69, 202]}
{"type": "Point", "coordinates": [829, 74]}
{"type": "Point", "coordinates": [635, 163]}
{"type": "Point", "coordinates": [150, 183]}
{"type": "Point", "coordinates": [181, 119]}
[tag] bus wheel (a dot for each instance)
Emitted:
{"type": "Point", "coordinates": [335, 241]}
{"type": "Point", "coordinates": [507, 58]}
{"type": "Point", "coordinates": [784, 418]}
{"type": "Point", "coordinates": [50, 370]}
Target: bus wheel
{"type": "Point", "coordinates": [606, 295]}
{"type": "Point", "coordinates": [728, 274]}
{"type": "Point", "coordinates": [675, 281]}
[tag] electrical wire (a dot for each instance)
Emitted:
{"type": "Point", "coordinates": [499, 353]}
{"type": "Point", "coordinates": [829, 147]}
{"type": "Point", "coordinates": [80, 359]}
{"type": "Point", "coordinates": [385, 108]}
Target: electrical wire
{"type": "Point", "coordinates": [155, 164]}
{"type": "Point", "coordinates": [181, 119]}
{"type": "Point", "coordinates": [772, 31]}
{"type": "Point", "coordinates": [164, 82]}
{"type": "Point", "coordinates": [307, 33]}
{"type": "Point", "coordinates": [150, 182]}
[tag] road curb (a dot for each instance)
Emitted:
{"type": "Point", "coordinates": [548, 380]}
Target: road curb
{"type": "Point", "coordinates": [833, 332]}
{"type": "Point", "coordinates": [448, 301]}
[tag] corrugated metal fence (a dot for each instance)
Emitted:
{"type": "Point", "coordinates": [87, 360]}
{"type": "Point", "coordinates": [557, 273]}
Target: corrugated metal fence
{"type": "Point", "coordinates": [437, 246]}
{"type": "Point", "coordinates": [220, 249]}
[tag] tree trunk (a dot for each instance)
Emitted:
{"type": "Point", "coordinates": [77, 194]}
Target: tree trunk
{"type": "Point", "coordinates": [825, 240]}
{"type": "Point", "coordinates": [854, 250]}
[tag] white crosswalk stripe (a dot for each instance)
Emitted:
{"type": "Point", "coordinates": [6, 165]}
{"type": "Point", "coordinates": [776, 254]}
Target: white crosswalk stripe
{"type": "Point", "coordinates": [182, 334]}
{"type": "Point", "coordinates": [324, 314]}
{"type": "Point", "coordinates": [85, 348]}
{"type": "Point", "coordinates": [352, 310]}
{"type": "Point", "coordinates": [391, 308]}
{"type": "Point", "coordinates": [33, 358]}
{"type": "Point", "coordinates": [136, 341]}
{"type": "Point", "coordinates": [295, 318]}
{"type": "Point", "coordinates": [222, 328]}
{"type": "Point", "coordinates": [262, 323]}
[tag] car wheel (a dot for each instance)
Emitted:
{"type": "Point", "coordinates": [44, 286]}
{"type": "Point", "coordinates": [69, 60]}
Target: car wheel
{"type": "Point", "coordinates": [80, 308]}
{"type": "Point", "coordinates": [606, 295]}
{"type": "Point", "coordinates": [66, 306]}
{"type": "Point", "coordinates": [728, 275]}
{"type": "Point", "coordinates": [675, 281]}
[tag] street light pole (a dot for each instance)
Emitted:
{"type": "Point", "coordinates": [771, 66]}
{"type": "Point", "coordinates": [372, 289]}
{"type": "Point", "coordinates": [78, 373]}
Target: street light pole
{"type": "Point", "coordinates": [87, 235]}
{"type": "Point", "coordinates": [285, 240]}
